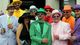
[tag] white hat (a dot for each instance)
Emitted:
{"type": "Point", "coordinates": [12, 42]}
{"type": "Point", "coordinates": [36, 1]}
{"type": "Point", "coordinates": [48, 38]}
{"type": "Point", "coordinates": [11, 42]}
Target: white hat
{"type": "Point", "coordinates": [56, 11]}
{"type": "Point", "coordinates": [33, 7]}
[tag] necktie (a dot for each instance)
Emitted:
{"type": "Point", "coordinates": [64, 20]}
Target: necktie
{"type": "Point", "coordinates": [9, 20]}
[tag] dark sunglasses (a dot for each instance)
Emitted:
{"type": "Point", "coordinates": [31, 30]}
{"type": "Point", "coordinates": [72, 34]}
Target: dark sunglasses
{"type": "Point", "coordinates": [55, 16]}
{"type": "Point", "coordinates": [76, 10]}
{"type": "Point", "coordinates": [65, 12]}
{"type": "Point", "coordinates": [48, 10]}
{"type": "Point", "coordinates": [40, 14]}
{"type": "Point", "coordinates": [33, 11]}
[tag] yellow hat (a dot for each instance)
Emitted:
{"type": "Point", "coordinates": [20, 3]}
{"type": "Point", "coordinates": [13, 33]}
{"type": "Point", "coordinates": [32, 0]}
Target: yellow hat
{"type": "Point", "coordinates": [17, 1]}
{"type": "Point", "coordinates": [67, 7]}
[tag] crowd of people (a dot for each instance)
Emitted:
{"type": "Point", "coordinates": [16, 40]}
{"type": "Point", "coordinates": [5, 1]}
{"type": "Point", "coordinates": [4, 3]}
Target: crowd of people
{"type": "Point", "coordinates": [43, 26]}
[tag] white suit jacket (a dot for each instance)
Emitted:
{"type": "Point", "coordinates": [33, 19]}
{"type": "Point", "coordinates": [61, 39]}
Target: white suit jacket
{"type": "Point", "coordinates": [61, 29]}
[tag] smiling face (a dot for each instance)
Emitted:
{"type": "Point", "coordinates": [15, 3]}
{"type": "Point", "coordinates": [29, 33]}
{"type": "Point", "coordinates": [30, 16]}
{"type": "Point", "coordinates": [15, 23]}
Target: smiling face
{"type": "Point", "coordinates": [67, 13]}
{"type": "Point", "coordinates": [77, 12]}
{"type": "Point", "coordinates": [17, 5]}
{"type": "Point", "coordinates": [41, 16]}
{"type": "Point", "coordinates": [11, 10]}
{"type": "Point", "coordinates": [56, 17]}
{"type": "Point", "coordinates": [33, 12]}
{"type": "Point", "coordinates": [48, 12]}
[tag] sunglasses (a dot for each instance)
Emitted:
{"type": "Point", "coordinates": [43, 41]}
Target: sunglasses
{"type": "Point", "coordinates": [48, 10]}
{"type": "Point", "coordinates": [40, 14]}
{"type": "Point", "coordinates": [76, 10]}
{"type": "Point", "coordinates": [33, 11]}
{"type": "Point", "coordinates": [66, 12]}
{"type": "Point", "coordinates": [55, 16]}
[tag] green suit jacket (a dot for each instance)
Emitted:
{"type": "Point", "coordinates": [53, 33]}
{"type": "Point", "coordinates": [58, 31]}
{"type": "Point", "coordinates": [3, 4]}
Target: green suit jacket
{"type": "Point", "coordinates": [35, 33]}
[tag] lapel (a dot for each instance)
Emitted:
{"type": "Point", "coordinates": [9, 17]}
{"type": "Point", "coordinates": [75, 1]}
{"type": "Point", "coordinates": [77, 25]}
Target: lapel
{"type": "Point", "coordinates": [45, 28]}
{"type": "Point", "coordinates": [37, 27]}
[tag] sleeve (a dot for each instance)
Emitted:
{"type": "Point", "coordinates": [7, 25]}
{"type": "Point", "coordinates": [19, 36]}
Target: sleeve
{"type": "Point", "coordinates": [33, 36]}
{"type": "Point", "coordinates": [72, 23]}
{"type": "Point", "coordinates": [66, 33]}
{"type": "Point", "coordinates": [78, 36]}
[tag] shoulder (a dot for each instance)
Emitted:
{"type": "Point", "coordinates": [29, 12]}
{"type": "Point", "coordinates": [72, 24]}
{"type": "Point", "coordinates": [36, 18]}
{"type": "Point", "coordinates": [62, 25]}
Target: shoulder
{"type": "Point", "coordinates": [64, 23]}
{"type": "Point", "coordinates": [3, 16]}
{"type": "Point", "coordinates": [47, 23]}
{"type": "Point", "coordinates": [14, 17]}
{"type": "Point", "coordinates": [72, 18]}
{"type": "Point", "coordinates": [35, 22]}
{"type": "Point", "coordinates": [20, 26]}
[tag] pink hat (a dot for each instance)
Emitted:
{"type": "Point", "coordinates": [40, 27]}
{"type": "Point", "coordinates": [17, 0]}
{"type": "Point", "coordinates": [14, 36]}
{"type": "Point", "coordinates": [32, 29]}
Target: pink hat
{"type": "Point", "coordinates": [56, 11]}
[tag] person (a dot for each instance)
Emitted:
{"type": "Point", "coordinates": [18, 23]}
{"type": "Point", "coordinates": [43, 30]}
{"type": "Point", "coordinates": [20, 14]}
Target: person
{"type": "Point", "coordinates": [18, 11]}
{"type": "Point", "coordinates": [67, 16]}
{"type": "Point", "coordinates": [69, 19]}
{"type": "Point", "coordinates": [60, 30]}
{"type": "Point", "coordinates": [48, 17]}
{"type": "Point", "coordinates": [8, 23]}
{"type": "Point", "coordinates": [40, 31]}
{"type": "Point", "coordinates": [76, 34]}
{"type": "Point", "coordinates": [23, 29]}
{"type": "Point", "coordinates": [33, 10]}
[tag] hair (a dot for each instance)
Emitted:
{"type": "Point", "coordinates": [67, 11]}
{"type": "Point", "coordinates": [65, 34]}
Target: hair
{"type": "Point", "coordinates": [24, 16]}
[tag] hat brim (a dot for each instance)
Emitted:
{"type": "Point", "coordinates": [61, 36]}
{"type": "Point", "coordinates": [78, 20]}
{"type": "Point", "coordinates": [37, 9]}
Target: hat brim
{"type": "Point", "coordinates": [20, 2]}
{"type": "Point", "coordinates": [42, 12]}
{"type": "Point", "coordinates": [57, 13]}
{"type": "Point", "coordinates": [10, 7]}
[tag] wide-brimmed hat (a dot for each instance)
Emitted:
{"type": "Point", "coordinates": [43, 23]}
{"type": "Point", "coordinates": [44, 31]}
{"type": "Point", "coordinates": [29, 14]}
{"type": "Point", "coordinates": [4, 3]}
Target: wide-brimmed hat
{"type": "Point", "coordinates": [48, 7]}
{"type": "Point", "coordinates": [19, 2]}
{"type": "Point", "coordinates": [77, 7]}
{"type": "Point", "coordinates": [67, 7]}
{"type": "Point", "coordinates": [56, 11]}
{"type": "Point", "coordinates": [25, 16]}
{"type": "Point", "coordinates": [41, 10]}
{"type": "Point", "coordinates": [33, 8]}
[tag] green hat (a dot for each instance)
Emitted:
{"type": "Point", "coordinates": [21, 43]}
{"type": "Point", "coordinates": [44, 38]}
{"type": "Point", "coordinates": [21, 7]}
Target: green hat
{"type": "Point", "coordinates": [41, 10]}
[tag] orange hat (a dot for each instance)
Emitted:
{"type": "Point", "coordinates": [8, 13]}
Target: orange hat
{"type": "Point", "coordinates": [67, 7]}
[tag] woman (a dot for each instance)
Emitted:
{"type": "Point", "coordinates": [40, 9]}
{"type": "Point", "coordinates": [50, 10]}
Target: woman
{"type": "Point", "coordinates": [23, 36]}
{"type": "Point", "coordinates": [60, 30]}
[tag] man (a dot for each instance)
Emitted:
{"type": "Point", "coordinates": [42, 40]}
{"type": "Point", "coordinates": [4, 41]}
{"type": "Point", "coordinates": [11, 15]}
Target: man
{"type": "Point", "coordinates": [76, 34]}
{"type": "Point", "coordinates": [9, 23]}
{"type": "Point", "coordinates": [68, 18]}
{"type": "Point", "coordinates": [58, 31]}
{"type": "Point", "coordinates": [40, 31]}
{"type": "Point", "coordinates": [33, 10]}
{"type": "Point", "coordinates": [17, 12]}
